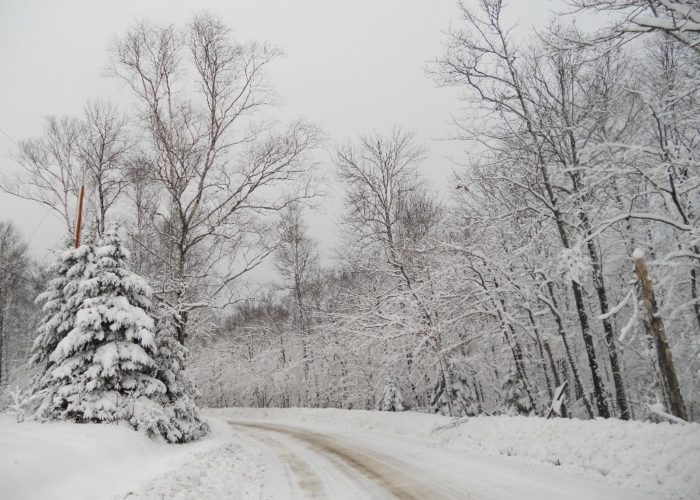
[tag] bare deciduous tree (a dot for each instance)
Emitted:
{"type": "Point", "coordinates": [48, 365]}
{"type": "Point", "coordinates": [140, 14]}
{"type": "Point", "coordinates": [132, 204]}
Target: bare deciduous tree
{"type": "Point", "coordinates": [297, 260]}
{"type": "Point", "coordinates": [51, 172]}
{"type": "Point", "coordinates": [14, 279]}
{"type": "Point", "coordinates": [679, 19]}
{"type": "Point", "coordinates": [91, 151]}
{"type": "Point", "coordinates": [221, 166]}
{"type": "Point", "coordinates": [104, 151]}
{"type": "Point", "coordinates": [381, 174]}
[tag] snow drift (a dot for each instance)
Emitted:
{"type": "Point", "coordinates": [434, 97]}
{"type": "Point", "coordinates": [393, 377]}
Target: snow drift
{"type": "Point", "coordinates": [62, 460]}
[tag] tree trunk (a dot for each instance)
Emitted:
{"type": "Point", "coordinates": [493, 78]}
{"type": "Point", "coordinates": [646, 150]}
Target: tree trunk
{"type": "Point", "coordinates": [567, 349]}
{"type": "Point", "coordinates": [517, 352]}
{"type": "Point", "coordinates": [599, 284]}
{"type": "Point", "coordinates": [2, 336]}
{"type": "Point", "coordinates": [555, 372]}
{"type": "Point", "coordinates": [658, 330]}
{"type": "Point", "coordinates": [2, 355]}
{"type": "Point", "coordinates": [694, 291]}
{"type": "Point", "coordinates": [598, 389]}
{"type": "Point", "coordinates": [540, 350]}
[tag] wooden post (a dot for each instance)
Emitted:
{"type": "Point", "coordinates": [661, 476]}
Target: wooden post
{"type": "Point", "coordinates": [79, 218]}
{"type": "Point", "coordinates": [658, 330]}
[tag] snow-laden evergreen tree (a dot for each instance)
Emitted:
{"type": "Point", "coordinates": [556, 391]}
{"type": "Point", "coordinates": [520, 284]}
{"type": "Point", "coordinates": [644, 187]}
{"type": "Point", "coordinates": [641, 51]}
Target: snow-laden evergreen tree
{"type": "Point", "coordinates": [463, 399]}
{"type": "Point", "coordinates": [103, 370]}
{"type": "Point", "coordinates": [105, 358]}
{"type": "Point", "coordinates": [514, 398]}
{"type": "Point", "coordinates": [456, 400]}
{"type": "Point", "coordinates": [61, 301]}
{"type": "Point", "coordinates": [391, 399]}
{"type": "Point", "coordinates": [439, 401]}
{"type": "Point", "coordinates": [97, 339]}
{"type": "Point", "coordinates": [178, 401]}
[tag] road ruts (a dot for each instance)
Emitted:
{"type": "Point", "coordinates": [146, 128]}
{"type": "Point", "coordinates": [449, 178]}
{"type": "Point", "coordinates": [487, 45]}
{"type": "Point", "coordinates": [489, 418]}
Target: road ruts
{"type": "Point", "coordinates": [323, 467]}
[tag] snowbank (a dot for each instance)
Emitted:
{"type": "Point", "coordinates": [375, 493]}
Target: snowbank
{"type": "Point", "coordinates": [234, 471]}
{"type": "Point", "coordinates": [87, 461]}
{"type": "Point", "coordinates": [661, 459]}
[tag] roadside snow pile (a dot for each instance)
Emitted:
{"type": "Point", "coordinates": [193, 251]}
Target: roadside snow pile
{"type": "Point", "coordinates": [233, 471]}
{"type": "Point", "coordinates": [656, 458]}
{"type": "Point", "coordinates": [403, 423]}
{"type": "Point", "coordinates": [61, 460]}
{"type": "Point", "coordinates": [660, 458]}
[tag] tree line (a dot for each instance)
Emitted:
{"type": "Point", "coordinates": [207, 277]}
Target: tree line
{"type": "Point", "coordinates": [562, 266]}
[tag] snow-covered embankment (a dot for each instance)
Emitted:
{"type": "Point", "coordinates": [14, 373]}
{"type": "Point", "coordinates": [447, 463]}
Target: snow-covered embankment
{"type": "Point", "coordinates": [62, 460]}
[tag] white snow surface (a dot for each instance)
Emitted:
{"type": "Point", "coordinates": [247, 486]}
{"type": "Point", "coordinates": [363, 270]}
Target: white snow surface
{"type": "Point", "coordinates": [638, 254]}
{"type": "Point", "coordinates": [67, 461]}
{"type": "Point", "coordinates": [660, 460]}
{"type": "Point", "coordinates": [497, 456]}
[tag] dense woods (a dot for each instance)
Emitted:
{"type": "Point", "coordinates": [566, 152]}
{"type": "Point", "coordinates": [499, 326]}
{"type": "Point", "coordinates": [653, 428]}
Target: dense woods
{"type": "Point", "coordinates": [564, 263]}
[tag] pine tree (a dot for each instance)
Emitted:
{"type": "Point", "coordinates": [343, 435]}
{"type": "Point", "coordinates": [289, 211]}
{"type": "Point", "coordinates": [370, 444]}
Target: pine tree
{"type": "Point", "coordinates": [456, 400]}
{"type": "Point", "coordinates": [178, 401]}
{"type": "Point", "coordinates": [60, 302]}
{"type": "Point", "coordinates": [463, 400]}
{"type": "Point", "coordinates": [103, 369]}
{"type": "Point", "coordinates": [514, 399]}
{"type": "Point", "coordinates": [104, 357]}
{"type": "Point", "coordinates": [439, 400]}
{"type": "Point", "coordinates": [391, 399]}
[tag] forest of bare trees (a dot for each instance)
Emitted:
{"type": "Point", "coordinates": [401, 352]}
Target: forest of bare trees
{"type": "Point", "coordinates": [565, 258]}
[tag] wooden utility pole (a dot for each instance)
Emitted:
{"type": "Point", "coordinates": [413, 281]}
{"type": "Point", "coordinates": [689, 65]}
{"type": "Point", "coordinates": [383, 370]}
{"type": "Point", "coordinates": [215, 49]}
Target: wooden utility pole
{"type": "Point", "coordinates": [658, 330]}
{"type": "Point", "coordinates": [79, 217]}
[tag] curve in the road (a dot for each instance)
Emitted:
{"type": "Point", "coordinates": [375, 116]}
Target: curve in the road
{"type": "Point", "coordinates": [393, 479]}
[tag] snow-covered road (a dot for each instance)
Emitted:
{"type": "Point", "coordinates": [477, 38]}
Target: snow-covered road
{"type": "Point", "coordinates": [308, 461]}
{"type": "Point", "coordinates": [295, 453]}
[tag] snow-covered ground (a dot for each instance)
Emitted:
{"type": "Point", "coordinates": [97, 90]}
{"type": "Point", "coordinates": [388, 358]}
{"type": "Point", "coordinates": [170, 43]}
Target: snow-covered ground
{"type": "Point", "coordinates": [97, 461]}
{"type": "Point", "coordinates": [661, 459]}
{"type": "Point", "coordinates": [275, 453]}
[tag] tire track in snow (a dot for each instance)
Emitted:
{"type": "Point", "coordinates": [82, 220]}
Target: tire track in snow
{"type": "Point", "coordinates": [393, 478]}
{"type": "Point", "coordinates": [304, 476]}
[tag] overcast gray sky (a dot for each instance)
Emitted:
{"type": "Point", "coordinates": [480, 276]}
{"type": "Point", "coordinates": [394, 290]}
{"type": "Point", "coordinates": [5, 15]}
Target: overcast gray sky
{"type": "Point", "coordinates": [351, 66]}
